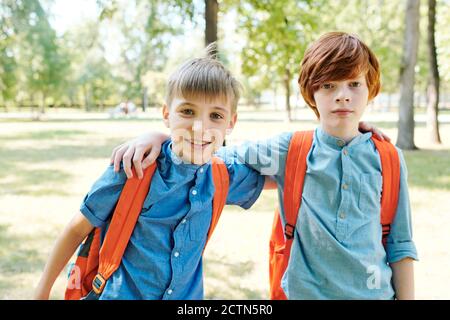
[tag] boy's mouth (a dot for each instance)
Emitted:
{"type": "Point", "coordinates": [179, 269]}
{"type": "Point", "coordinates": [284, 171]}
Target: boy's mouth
{"type": "Point", "coordinates": [342, 112]}
{"type": "Point", "coordinates": [198, 144]}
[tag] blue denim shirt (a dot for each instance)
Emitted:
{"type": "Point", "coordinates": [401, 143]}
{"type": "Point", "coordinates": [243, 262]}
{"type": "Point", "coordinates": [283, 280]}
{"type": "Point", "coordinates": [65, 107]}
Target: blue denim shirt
{"type": "Point", "coordinates": [163, 259]}
{"type": "Point", "coordinates": [337, 251]}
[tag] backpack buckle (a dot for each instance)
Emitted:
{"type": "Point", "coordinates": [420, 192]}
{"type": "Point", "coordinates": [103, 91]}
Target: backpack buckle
{"type": "Point", "coordinates": [289, 231]}
{"type": "Point", "coordinates": [98, 284]}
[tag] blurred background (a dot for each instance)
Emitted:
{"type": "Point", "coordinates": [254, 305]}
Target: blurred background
{"type": "Point", "coordinates": [79, 77]}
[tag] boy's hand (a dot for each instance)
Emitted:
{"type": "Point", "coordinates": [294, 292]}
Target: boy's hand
{"type": "Point", "coordinates": [367, 127]}
{"type": "Point", "coordinates": [134, 151]}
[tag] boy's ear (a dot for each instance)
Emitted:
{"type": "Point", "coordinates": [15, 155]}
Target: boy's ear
{"type": "Point", "coordinates": [231, 124]}
{"type": "Point", "coordinates": [165, 114]}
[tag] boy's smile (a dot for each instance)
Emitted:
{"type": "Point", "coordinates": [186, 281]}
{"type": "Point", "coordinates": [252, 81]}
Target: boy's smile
{"type": "Point", "coordinates": [198, 126]}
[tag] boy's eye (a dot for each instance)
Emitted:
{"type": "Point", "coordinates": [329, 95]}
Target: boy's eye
{"type": "Point", "coordinates": [216, 116]}
{"type": "Point", "coordinates": [327, 86]}
{"type": "Point", "coordinates": [355, 84]}
{"type": "Point", "coordinates": [187, 112]}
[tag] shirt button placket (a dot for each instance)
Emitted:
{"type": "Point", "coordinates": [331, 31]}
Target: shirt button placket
{"type": "Point", "coordinates": [342, 214]}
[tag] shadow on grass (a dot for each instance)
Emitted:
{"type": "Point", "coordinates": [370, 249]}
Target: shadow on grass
{"type": "Point", "coordinates": [156, 118]}
{"type": "Point", "coordinates": [17, 178]}
{"type": "Point", "coordinates": [428, 169]}
{"type": "Point", "coordinates": [36, 183]}
{"type": "Point", "coordinates": [229, 277]}
{"type": "Point", "coordinates": [46, 134]}
{"type": "Point", "coordinates": [16, 257]}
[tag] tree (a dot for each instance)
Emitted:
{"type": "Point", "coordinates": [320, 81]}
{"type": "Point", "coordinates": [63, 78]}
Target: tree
{"type": "Point", "coordinates": [145, 31]}
{"type": "Point", "coordinates": [276, 40]}
{"type": "Point", "coordinates": [42, 66]}
{"type": "Point", "coordinates": [211, 12]}
{"type": "Point", "coordinates": [379, 25]}
{"type": "Point", "coordinates": [433, 86]}
{"type": "Point", "coordinates": [405, 137]}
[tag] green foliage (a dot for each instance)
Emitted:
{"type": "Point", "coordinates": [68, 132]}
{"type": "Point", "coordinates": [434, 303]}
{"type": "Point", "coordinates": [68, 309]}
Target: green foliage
{"type": "Point", "coordinates": [8, 79]}
{"type": "Point", "coordinates": [36, 63]}
{"type": "Point", "coordinates": [76, 68]}
{"type": "Point", "coordinates": [276, 40]}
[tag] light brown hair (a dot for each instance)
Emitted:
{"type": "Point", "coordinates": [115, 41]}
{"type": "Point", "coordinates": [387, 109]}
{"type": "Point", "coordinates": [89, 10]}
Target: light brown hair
{"type": "Point", "coordinates": [337, 56]}
{"type": "Point", "coordinates": [204, 77]}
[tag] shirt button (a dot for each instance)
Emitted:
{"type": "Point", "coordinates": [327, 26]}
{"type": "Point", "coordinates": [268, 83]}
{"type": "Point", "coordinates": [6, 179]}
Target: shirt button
{"type": "Point", "coordinates": [341, 143]}
{"type": "Point", "coordinates": [342, 215]}
{"type": "Point", "coordinates": [345, 186]}
{"type": "Point", "coordinates": [194, 192]}
{"type": "Point", "coordinates": [169, 291]}
{"type": "Point", "coordinates": [176, 254]}
{"type": "Point", "coordinates": [345, 152]}
{"type": "Point", "coordinates": [201, 170]}
{"type": "Point", "coordinates": [183, 221]}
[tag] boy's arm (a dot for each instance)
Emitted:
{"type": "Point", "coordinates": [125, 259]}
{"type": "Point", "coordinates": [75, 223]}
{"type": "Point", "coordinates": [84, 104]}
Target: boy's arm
{"type": "Point", "coordinates": [140, 152]}
{"type": "Point", "coordinates": [403, 279]}
{"type": "Point", "coordinates": [400, 249]}
{"type": "Point", "coordinates": [74, 233]}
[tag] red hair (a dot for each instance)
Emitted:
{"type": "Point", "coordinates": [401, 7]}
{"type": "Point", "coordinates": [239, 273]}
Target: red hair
{"type": "Point", "coordinates": [337, 56]}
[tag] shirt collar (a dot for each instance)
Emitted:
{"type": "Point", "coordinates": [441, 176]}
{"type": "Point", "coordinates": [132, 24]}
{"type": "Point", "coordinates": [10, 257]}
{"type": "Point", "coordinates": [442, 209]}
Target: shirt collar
{"type": "Point", "coordinates": [337, 143]}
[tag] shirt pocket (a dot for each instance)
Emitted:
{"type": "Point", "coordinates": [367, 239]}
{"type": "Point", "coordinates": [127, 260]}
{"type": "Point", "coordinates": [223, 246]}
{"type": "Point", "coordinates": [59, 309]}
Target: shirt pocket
{"type": "Point", "coordinates": [370, 192]}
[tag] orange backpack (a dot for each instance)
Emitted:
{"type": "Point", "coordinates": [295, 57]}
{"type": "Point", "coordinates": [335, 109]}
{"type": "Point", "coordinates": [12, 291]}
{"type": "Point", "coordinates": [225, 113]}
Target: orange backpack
{"type": "Point", "coordinates": [96, 261]}
{"type": "Point", "coordinates": [281, 238]}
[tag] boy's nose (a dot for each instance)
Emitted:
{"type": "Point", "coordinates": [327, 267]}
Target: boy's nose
{"type": "Point", "coordinates": [342, 99]}
{"type": "Point", "coordinates": [342, 96]}
{"type": "Point", "coordinates": [197, 126]}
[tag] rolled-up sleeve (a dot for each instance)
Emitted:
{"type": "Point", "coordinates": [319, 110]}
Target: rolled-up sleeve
{"type": "Point", "coordinates": [101, 200]}
{"type": "Point", "coordinates": [400, 244]}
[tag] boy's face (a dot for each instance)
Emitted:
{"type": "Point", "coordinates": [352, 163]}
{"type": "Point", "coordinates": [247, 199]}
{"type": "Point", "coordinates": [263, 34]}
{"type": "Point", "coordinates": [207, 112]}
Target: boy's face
{"type": "Point", "coordinates": [341, 104]}
{"type": "Point", "coordinates": [198, 127]}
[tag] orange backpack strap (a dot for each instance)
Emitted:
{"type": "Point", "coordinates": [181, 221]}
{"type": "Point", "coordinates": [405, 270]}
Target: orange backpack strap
{"type": "Point", "coordinates": [294, 177]}
{"type": "Point", "coordinates": [390, 170]}
{"type": "Point", "coordinates": [281, 238]}
{"type": "Point", "coordinates": [121, 227]}
{"type": "Point", "coordinates": [221, 184]}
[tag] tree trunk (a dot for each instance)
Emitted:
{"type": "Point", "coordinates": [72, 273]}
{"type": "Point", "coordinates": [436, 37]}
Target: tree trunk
{"type": "Point", "coordinates": [87, 105]}
{"type": "Point", "coordinates": [144, 98]}
{"type": "Point", "coordinates": [405, 138]}
{"type": "Point", "coordinates": [433, 85]}
{"type": "Point", "coordinates": [287, 86]}
{"type": "Point", "coordinates": [42, 108]}
{"type": "Point", "coordinates": [211, 11]}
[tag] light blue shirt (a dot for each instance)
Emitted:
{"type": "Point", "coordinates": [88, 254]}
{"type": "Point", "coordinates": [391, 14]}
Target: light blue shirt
{"type": "Point", "coordinates": [163, 259]}
{"type": "Point", "coordinates": [337, 251]}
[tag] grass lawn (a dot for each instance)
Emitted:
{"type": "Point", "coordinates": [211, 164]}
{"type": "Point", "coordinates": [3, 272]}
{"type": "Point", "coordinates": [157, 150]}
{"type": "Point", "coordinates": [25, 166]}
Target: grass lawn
{"type": "Point", "coordinates": [47, 167]}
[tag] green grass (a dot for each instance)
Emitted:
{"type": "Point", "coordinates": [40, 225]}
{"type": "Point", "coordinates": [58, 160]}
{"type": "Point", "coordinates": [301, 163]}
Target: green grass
{"type": "Point", "coordinates": [429, 169]}
{"type": "Point", "coordinates": [47, 167]}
